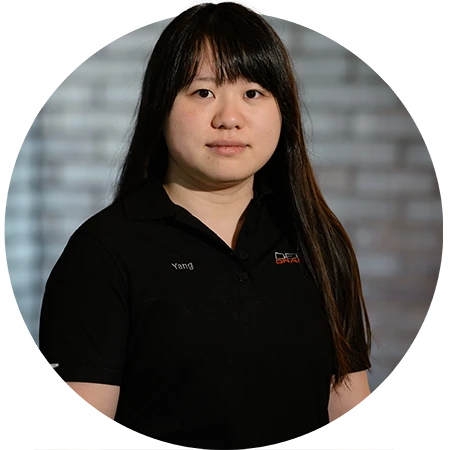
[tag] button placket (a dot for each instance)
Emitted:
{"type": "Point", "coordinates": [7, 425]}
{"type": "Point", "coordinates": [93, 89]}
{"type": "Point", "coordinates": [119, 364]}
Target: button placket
{"type": "Point", "coordinates": [243, 255]}
{"type": "Point", "coordinates": [243, 276]}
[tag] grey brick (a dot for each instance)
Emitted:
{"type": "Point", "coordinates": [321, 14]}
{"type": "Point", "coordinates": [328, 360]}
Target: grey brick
{"type": "Point", "coordinates": [424, 210]}
{"type": "Point", "coordinates": [24, 281]}
{"type": "Point", "coordinates": [78, 96]}
{"type": "Point", "coordinates": [21, 253]}
{"type": "Point", "coordinates": [59, 151]}
{"type": "Point", "coordinates": [364, 72]}
{"type": "Point", "coordinates": [53, 251]}
{"type": "Point", "coordinates": [69, 124]}
{"type": "Point", "coordinates": [75, 175]}
{"type": "Point", "coordinates": [398, 182]}
{"type": "Point", "coordinates": [424, 264]}
{"type": "Point", "coordinates": [396, 236]}
{"type": "Point", "coordinates": [350, 208]}
{"type": "Point", "coordinates": [54, 200]}
{"type": "Point", "coordinates": [384, 125]}
{"type": "Point", "coordinates": [24, 175]}
{"type": "Point", "coordinates": [417, 318]}
{"type": "Point", "coordinates": [57, 231]}
{"type": "Point", "coordinates": [23, 227]}
{"type": "Point", "coordinates": [394, 346]}
{"type": "Point", "coordinates": [104, 71]}
{"type": "Point", "coordinates": [334, 180]}
{"type": "Point", "coordinates": [138, 41]}
{"type": "Point", "coordinates": [20, 202]}
{"type": "Point", "coordinates": [356, 96]}
{"type": "Point", "coordinates": [316, 43]}
{"type": "Point", "coordinates": [415, 291]}
{"type": "Point", "coordinates": [316, 70]}
{"type": "Point", "coordinates": [111, 150]}
{"type": "Point", "coordinates": [121, 98]}
{"type": "Point", "coordinates": [58, 148]}
{"type": "Point", "coordinates": [418, 155]}
{"type": "Point", "coordinates": [378, 264]}
{"type": "Point", "coordinates": [354, 153]}
{"type": "Point", "coordinates": [323, 124]}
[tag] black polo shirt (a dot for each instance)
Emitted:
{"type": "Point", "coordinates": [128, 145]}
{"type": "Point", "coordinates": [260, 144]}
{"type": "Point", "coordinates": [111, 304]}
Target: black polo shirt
{"type": "Point", "coordinates": [212, 347]}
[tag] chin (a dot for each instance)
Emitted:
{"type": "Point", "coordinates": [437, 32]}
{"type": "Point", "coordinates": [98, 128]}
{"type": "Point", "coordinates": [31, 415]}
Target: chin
{"type": "Point", "coordinates": [230, 177]}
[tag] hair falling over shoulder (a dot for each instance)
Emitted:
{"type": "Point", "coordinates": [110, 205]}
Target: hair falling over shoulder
{"type": "Point", "coordinates": [244, 45]}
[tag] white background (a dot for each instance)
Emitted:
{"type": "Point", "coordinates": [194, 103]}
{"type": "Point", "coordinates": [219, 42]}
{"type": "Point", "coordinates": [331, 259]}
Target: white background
{"type": "Point", "coordinates": [38, 45]}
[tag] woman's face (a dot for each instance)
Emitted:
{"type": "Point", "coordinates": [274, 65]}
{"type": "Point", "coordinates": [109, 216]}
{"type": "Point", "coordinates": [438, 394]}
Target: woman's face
{"type": "Point", "coordinates": [218, 134]}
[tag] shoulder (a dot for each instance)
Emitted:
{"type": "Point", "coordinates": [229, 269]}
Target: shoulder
{"type": "Point", "coordinates": [145, 204]}
{"type": "Point", "coordinates": [91, 245]}
{"type": "Point", "coordinates": [115, 222]}
{"type": "Point", "coordinates": [104, 222]}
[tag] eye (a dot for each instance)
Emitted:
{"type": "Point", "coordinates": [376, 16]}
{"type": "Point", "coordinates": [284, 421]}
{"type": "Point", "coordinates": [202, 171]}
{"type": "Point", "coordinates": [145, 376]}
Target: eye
{"type": "Point", "coordinates": [202, 90]}
{"type": "Point", "coordinates": [207, 90]}
{"type": "Point", "coordinates": [254, 90]}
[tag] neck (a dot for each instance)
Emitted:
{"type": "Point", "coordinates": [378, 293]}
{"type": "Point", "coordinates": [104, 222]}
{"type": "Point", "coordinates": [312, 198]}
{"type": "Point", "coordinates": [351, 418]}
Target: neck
{"type": "Point", "coordinates": [210, 202]}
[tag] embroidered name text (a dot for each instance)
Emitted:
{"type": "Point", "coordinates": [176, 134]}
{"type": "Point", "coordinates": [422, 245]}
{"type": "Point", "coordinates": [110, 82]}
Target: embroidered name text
{"type": "Point", "coordinates": [181, 266]}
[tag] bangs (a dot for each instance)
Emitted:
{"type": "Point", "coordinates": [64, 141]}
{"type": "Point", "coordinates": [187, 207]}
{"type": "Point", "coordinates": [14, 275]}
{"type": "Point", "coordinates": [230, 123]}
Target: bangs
{"type": "Point", "coordinates": [236, 51]}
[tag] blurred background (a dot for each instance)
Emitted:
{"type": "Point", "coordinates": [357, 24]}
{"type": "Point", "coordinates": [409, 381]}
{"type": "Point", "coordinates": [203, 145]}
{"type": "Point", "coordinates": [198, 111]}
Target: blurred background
{"type": "Point", "coordinates": [370, 159]}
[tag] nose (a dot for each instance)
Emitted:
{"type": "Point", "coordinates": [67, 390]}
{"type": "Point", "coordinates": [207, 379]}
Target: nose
{"type": "Point", "coordinates": [227, 115]}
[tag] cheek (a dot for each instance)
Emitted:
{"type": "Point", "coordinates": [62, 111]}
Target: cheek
{"type": "Point", "coordinates": [277, 119]}
{"type": "Point", "coordinates": [183, 123]}
{"type": "Point", "coordinates": [271, 128]}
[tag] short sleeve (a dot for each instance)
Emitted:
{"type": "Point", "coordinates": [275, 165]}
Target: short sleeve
{"type": "Point", "coordinates": [358, 349]}
{"type": "Point", "coordinates": [84, 315]}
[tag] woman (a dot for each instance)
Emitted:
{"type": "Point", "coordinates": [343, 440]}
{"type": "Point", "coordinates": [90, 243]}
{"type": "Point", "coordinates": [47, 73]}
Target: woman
{"type": "Point", "coordinates": [217, 302]}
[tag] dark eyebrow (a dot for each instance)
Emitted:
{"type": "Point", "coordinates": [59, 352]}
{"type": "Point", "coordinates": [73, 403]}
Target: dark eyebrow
{"type": "Point", "coordinates": [215, 81]}
{"type": "Point", "coordinates": [212, 79]}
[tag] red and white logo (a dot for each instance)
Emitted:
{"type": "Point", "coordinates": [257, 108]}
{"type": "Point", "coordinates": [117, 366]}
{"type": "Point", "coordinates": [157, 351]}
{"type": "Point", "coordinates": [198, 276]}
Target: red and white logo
{"type": "Point", "coordinates": [282, 258]}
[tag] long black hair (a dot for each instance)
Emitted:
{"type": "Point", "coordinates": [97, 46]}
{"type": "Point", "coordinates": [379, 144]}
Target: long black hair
{"type": "Point", "coordinates": [244, 45]}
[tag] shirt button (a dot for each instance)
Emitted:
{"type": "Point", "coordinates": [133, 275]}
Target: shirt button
{"type": "Point", "coordinates": [243, 276]}
{"type": "Point", "coordinates": [243, 254]}
{"type": "Point", "coordinates": [246, 230]}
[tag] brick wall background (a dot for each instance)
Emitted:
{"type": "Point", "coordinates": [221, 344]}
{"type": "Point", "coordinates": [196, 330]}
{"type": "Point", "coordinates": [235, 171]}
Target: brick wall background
{"type": "Point", "coordinates": [371, 161]}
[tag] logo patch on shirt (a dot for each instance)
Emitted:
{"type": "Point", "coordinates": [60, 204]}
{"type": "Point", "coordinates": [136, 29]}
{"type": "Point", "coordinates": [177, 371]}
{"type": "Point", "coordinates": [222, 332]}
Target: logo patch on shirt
{"type": "Point", "coordinates": [282, 258]}
{"type": "Point", "coordinates": [183, 266]}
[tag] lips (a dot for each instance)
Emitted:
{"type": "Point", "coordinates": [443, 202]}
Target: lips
{"type": "Point", "coordinates": [227, 150]}
{"type": "Point", "coordinates": [226, 143]}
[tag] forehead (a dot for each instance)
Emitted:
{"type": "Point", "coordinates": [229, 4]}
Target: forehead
{"type": "Point", "coordinates": [207, 61]}
{"type": "Point", "coordinates": [207, 68]}
{"type": "Point", "coordinates": [211, 67]}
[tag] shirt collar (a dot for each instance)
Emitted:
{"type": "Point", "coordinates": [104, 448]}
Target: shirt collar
{"type": "Point", "coordinates": [151, 201]}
